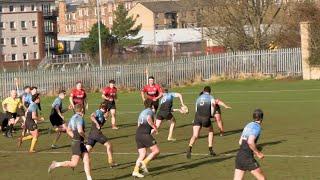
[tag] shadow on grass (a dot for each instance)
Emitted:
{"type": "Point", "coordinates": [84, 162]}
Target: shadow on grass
{"type": "Point", "coordinates": [259, 146]}
{"type": "Point", "coordinates": [59, 147]}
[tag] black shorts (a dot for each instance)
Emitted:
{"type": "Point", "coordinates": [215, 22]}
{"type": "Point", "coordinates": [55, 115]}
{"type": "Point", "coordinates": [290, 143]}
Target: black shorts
{"type": "Point", "coordinates": [21, 112]}
{"type": "Point", "coordinates": [56, 120]}
{"type": "Point", "coordinates": [145, 141]}
{"type": "Point", "coordinates": [96, 136]}
{"type": "Point", "coordinates": [217, 110]}
{"type": "Point", "coordinates": [31, 125]}
{"type": "Point", "coordinates": [11, 115]}
{"type": "Point", "coordinates": [246, 162]}
{"type": "Point", "coordinates": [202, 122]}
{"type": "Point", "coordinates": [110, 104]}
{"type": "Point", "coordinates": [78, 147]}
{"type": "Point", "coordinates": [3, 120]}
{"type": "Point", "coordinates": [162, 115]}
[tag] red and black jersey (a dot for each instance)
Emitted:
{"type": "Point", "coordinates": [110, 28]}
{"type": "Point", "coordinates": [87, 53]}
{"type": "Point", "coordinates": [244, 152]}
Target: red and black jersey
{"type": "Point", "coordinates": [110, 93]}
{"type": "Point", "coordinates": [152, 91]}
{"type": "Point", "coordinates": [78, 96]}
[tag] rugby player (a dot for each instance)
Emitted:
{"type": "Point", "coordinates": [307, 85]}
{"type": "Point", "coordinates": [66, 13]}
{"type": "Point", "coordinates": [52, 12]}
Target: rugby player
{"type": "Point", "coordinates": [34, 90]}
{"type": "Point", "coordinates": [26, 97]}
{"type": "Point", "coordinates": [165, 111]}
{"type": "Point", "coordinates": [76, 131]}
{"type": "Point", "coordinates": [78, 96]}
{"type": "Point", "coordinates": [245, 157]}
{"type": "Point", "coordinates": [145, 140]}
{"type": "Point", "coordinates": [10, 105]}
{"type": "Point", "coordinates": [109, 94]}
{"type": "Point", "coordinates": [153, 92]}
{"type": "Point", "coordinates": [217, 114]}
{"type": "Point", "coordinates": [31, 123]}
{"type": "Point", "coordinates": [204, 113]}
{"type": "Point", "coordinates": [57, 118]}
{"type": "Point", "coordinates": [98, 119]}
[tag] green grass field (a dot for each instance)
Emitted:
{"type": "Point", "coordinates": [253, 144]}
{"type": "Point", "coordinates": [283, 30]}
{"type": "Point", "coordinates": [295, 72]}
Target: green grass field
{"type": "Point", "coordinates": [290, 134]}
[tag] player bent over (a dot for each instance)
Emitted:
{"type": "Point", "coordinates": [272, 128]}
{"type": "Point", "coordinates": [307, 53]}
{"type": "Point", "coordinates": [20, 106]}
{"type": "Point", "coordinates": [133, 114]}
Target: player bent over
{"type": "Point", "coordinates": [31, 123]}
{"type": "Point", "coordinates": [165, 111]}
{"type": "Point", "coordinates": [145, 140]}
{"type": "Point", "coordinates": [245, 158]}
{"type": "Point", "coordinates": [76, 131]}
{"type": "Point", "coordinates": [57, 118]}
{"type": "Point", "coordinates": [204, 112]}
{"type": "Point", "coordinates": [98, 119]}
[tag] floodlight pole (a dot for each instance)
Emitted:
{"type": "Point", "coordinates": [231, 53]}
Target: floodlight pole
{"type": "Point", "coordinates": [99, 32]}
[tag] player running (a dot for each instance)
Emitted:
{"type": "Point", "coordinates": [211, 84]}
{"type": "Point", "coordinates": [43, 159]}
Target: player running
{"type": "Point", "coordinates": [145, 140]}
{"type": "Point", "coordinates": [10, 105]}
{"type": "Point", "coordinates": [75, 130]}
{"type": "Point", "coordinates": [31, 123]}
{"type": "Point", "coordinates": [245, 158]}
{"type": "Point", "coordinates": [217, 114]}
{"type": "Point", "coordinates": [204, 112]}
{"type": "Point", "coordinates": [165, 111]}
{"type": "Point", "coordinates": [78, 96]}
{"type": "Point", "coordinates": [153, 92]}
{"type": "Point", "coordinates": [109, 94]}
{"type": "Point", "coordinates": [98, 119]}
{"type": "Point", "coordinates": [57, 118]}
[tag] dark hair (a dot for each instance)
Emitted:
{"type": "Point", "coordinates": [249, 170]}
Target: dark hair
{"type": "Point", "coordinates": [207, 89]}
{"type": "Point", "coordinates": [166, 90]}
{"type": "Point", "coordinates": [112, 81]}
{"type": "Point", "coordinates": [62, 91]}
{"type": "Point", "coordinates": [200, 93]}
{"type": "Point", "coordinates": [34, 87]}
{"type": "Point", "coordinates": [104, 106]}
{"type": "Point", "coordinates": [26, 87]}
{"type": "Point", "coordinates": [148, 103]}
{"type": "Point", "coordinates": [78, 108]}
{"type": "Point", "coordinates": [151, 77]}
{"type": "Point", "coordinates": [257, 114]}
{"type": "Point", "coordinates": [35, 97]}
{"type": "Point", "coordinates": [78, 82]}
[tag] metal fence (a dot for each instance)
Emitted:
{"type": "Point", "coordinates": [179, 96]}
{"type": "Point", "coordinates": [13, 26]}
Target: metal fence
{"type": "Point", "coordinates": [279, 62]}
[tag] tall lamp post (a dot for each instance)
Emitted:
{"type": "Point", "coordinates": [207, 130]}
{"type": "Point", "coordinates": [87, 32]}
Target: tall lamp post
{"type": "Point", "coordinates": [172, 45]}
{"type": "Point", "coordinates": [99, 32]}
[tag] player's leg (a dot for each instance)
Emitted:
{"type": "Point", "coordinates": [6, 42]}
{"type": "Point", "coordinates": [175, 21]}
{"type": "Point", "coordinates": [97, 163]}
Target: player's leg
{"type": "Point", "coordinates": [258, 174]}
{"type": "Point", "coordinates": [195, 134]}
{"type": "Point", "coordinates": [154, 153]}
{"type": "Point", "coordinates": [210, 140]}
{"type": "Point", "coordinates": [172, 125]}
{"type": "Point", "coordinates": [10, 127]}
{"type": "Point", "coordinates": [218, 119]}
{"type": "Point", "coordinates": [60, 129]}
{"type": "Point", "coordinates": [142, 154]}
{"type": "Point", "coordinates": [86, 165]}
{"type": "Point", "coordinates": [113, 118]}
{"type": "Point", "coordinates": [35, 135]}
{"type": "Point", "coordinates": [111, 162]}
{"type": "Point", "coordinates": [238, 174]}
{"type": "Point", "coordinates": [71, 164]}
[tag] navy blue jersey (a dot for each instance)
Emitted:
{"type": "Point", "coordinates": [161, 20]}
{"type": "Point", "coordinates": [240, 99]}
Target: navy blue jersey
{"type": "Point", "coordinates": [99, 116]}
{"type": "Point", "coordinates": [144, 126]}
{"type": "Point", "coordinates": [76, 122]}
{"type": "Point", "coordinates": [27, 99]}
{"type": "Point", "coordinates": [33, 107]}
{"type": "Point", "coordinates": [166, 102]}
{"type": "Point", "coordinates": [204, 105]}
{"type": "Point", "coordinates": [57, 103]}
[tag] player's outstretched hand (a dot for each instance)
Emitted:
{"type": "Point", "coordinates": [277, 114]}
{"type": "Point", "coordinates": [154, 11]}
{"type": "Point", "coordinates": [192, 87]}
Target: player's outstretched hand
{"type": "Point", "coordinates": [260, 155]}
{"type": "Point", "coordinates": [184, 110]}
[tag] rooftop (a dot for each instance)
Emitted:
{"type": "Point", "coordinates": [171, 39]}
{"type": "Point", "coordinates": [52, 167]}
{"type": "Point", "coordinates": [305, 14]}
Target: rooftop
{"type": "Point", "coordinates": [25, 1]}
{"type": "Point", "coordinates": [162, 6]}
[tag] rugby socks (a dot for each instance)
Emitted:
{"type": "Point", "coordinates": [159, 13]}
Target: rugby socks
{"type": "Point", "coordinates": [27, 137]}
{"type": "Point", "coordinates": [33, 144]}
{"type": "Point", "coordinates": [89, 178]}
{"type": "Point", "coordinates": [110, 160]}
{"type": "Point", "coordinates": [136, 169]}
{"type": "Point", "coordinates": [146, 160]}
{"type": "Point", "coordinates": [190, 148]}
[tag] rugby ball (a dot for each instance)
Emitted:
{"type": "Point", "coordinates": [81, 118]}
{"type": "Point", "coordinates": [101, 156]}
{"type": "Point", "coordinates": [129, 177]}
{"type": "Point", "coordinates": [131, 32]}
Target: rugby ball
{"type": "Point", "coordinates": [184, 109]}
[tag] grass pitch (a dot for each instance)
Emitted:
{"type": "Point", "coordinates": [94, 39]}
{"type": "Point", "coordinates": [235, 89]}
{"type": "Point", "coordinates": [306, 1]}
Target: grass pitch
{"type": "Point", "coordinates": [290, 137]}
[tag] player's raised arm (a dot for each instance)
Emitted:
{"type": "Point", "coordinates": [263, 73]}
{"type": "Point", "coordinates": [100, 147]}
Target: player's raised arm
{"type": "Point", "coordinates": [221, 103]}
{"type": "Point", "coordinates": [178, 95]}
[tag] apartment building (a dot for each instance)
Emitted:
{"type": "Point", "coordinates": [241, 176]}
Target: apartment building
{"type": "Point", "coordinates": [28, 31]}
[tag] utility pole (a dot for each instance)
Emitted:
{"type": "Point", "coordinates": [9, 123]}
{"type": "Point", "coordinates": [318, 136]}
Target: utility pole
{"type": "Point", "coordinates": [99, 32]}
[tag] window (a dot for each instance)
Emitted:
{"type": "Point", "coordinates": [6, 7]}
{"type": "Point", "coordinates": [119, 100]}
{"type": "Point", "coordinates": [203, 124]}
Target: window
{"type": "Point", "coordinates": [33, 7]}
{"type": "Point", "coordinates": [110, 8]}
{"type": "Point", "coordinates": [24, 40]}
{"type": "Point", "coordinates": [0, 9]}
{"type": "Point", "coordinates": [25, 56]}
{"type": "Point", "coordinates": [2, 41]}
{"type": "Point", "coordinates": [1, 25]}
{"type": "Point", "coordinates": [34, 39]}
{"type": "Point", "coordinates": [22, 8]}
{"type": "Point", "coordinates": [11, 8]}
{"type": "Point", "coordinates": [12, 25]}
{"type": "Point", "coordinates": [110, 20]}
{"type": "Point", "coordinates": [34, 23]}
{"type": "Point", "coordinates": [80, 13]}
{"type": "Point", "coordinates": [13, 41]}
{"type": "Point", "coordinates": [74, 16]}
{"type": "Point", "coordinates": [35, 55]}
{"type": "Point", "coordinates": [23, 25]}
{"type": "Point", "coordinates": [14, 57]}
{"type": "Point", "coordinates": [2, 57]}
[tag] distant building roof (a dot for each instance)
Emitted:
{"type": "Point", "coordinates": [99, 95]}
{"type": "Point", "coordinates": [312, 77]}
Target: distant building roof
{"type": "Point", "coordinates": [25, 1]}
{"type": "Point", "coordinates": [162, 6]}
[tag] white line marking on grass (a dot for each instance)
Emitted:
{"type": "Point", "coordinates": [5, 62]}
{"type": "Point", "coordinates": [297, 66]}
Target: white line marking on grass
{"type": "Point", "coordinates": [162, 154]}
